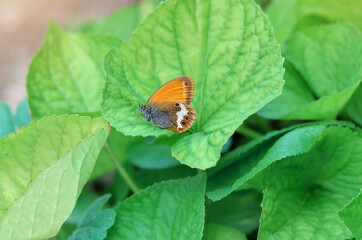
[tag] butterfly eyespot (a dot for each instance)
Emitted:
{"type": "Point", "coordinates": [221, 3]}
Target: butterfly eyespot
{"type": "Point", "coordinates": [187, 118]}
{"type": "Point", "coordinates": [183, 123]}
{"type": "Point", "coordinates": [186, 83]}
{"type": "Point", "coordinates": [176, 104]}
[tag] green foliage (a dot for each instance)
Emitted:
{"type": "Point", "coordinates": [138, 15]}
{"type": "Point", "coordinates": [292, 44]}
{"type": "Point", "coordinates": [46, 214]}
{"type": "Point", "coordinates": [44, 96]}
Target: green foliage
{"type": "Point", "coordinates": [40, 183]}
{"type": "Point", "coordinates": [9, 122]}
{"type": "Point", "coordinates": [6, 120]}
{"type": "Point", "coordinates": [286, 178]}
{"type": "Point", "coordinates": [64, 76]}
{"type": "Point", "coordinates": [242, 81]}
{"type": "Point", "coordinates": [351, 215]}
{"type": "Point", "coordinates": [168, 210]}
{"type": "Point", "coordinates": [304, 192]}
{"type": "Point", "coordinates": [287, 16]}
{"type": "Point", "coordinates": [239, 210]}
{"type": "Point", "coordinates": [214, 231]}
{"type": "Point", "coordinates": [148, 156]}
{"type": "Point", "coordinates": [94, 223]}
{"type": "Point", "coordinates": [330, 65]}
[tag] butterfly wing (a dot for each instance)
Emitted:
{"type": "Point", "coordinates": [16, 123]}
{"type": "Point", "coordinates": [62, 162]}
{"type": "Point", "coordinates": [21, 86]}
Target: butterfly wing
{"type": "Point", "coordinates": [180, 89]}
{"type": "Point", "coordinates": [170, 104]}
{"type": "Point", "coordinates": [176, 116]}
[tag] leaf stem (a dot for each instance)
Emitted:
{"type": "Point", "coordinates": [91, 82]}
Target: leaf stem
{"type": "Point", "coordinates": [248, 132]}
{"type": "Point", "coordinates": [132, 185]}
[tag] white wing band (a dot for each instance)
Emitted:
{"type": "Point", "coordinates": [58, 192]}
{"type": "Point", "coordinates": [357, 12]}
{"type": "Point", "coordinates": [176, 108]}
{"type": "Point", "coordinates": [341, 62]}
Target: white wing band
{"type": "Point", "coordinates": [180, 115]}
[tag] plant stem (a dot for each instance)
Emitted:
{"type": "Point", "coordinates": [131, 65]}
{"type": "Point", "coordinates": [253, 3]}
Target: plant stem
{"type": "Point", "coordinates": [132, 185]}
{"type": "Point", "coordinates": [248, 132]}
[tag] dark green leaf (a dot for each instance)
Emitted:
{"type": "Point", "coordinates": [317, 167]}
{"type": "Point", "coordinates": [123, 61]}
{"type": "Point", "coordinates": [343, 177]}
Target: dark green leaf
{"type": "Point", "coordinates": [214, 231]}
{"type": "Point", "coordinates": [95, 221]}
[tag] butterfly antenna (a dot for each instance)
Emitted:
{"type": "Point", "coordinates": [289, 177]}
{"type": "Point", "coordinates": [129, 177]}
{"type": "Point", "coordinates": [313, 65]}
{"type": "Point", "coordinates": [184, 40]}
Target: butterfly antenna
{"type": "Point", "coordinates": [131, 100]}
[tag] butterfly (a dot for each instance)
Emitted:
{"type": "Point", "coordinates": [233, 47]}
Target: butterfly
{"type": "Point", "coordinates": [169, 107]}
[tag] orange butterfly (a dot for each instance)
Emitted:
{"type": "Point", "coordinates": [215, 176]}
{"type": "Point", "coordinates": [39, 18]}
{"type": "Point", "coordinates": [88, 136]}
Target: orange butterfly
{"type": "Point", "coordinates": [169, 107]}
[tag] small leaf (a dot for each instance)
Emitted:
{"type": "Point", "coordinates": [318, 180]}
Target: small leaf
{"type": "Point", "coordinates": [328, 59]}
{"type": "Point", "coordinates": [66, 75]}
{"type": "Point", "coordinates": [6, 120]}
{"type": "Point", "coordinates": [168, 210]}
{"type": "Point", "coordinates": [22, 115]}
{"type": "Point", "coordinates": [214, 231]}
{"type": "Point", "coordinates": [95, 221]}
{"type": "Point", "coordinates": [351, 215]}
{"type": "Point", "coordinates": [228, 48]}
{"type": "Point", "coordinates": [43, 169]}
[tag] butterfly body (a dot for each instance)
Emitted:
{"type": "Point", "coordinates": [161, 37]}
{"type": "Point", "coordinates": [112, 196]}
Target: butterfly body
{"type": "Point", "coordinates": [169, 107]}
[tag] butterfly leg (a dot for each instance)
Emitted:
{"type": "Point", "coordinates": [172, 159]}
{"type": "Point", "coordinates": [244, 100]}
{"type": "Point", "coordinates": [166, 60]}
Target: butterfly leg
{"type": "Point", "coordinates": [153, 126]}
{"type": "Point", "coordinates": [139, 115]}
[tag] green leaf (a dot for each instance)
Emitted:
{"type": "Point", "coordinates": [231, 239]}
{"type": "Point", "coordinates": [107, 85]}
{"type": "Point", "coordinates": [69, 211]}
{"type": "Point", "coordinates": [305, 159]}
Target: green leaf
{"type": "Point", "coordinates": [43, 169]}
{"type": "Point", "coordinates": [6, 120]}
{"type": "Point", "coordinates": [228, 48]}
{"type": "Point", "coordinates": [22, 115]}
{"type": "Point", "coordinates": [328, 59]}
{"type": "Point", "coordinates": [304, 192]}
{"type": "Point", "coordinates": [240, 210]}
{"type": "Point", "coordinates": [214, 231]}
{"type": "Point", "coordinates": [65, 76]}
{"type": "Point", "coordinates": [148, 156]}
{"type": "Point", "coordinates": [168, 210]}
{"type": "Point", "coordinates": [286, 16]}
{"type": "Point", "coordinates": [351, 215]}
{"type": "Point", "coordinates": [354, 106]}
{"type": "Point", "coordinates": [241, 167]}
{"type": "Point", "coordinates": [122, 23]}
{"type": "Point", "coordinates": [95, 221]}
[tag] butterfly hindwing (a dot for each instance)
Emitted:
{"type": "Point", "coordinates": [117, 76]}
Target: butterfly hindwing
{"type": "Point", "coordinates": [180, 89]}
{"type": "Point", "coordinates": [176, 116]}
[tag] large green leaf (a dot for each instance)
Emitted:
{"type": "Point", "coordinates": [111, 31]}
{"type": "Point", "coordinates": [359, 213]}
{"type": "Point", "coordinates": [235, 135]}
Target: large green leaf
{"type": "Point", "coordinates": [66, 75]}
{"type": "Point", "coordinates": [168, 210]}
{"type": "Point", "coordinates": [43, 168]}
{"type": "Point", "coordinates": [303, 193]}
{"type": "Point", "coordinates": [227, 47]}
{"type": "Point", "coordinates": [351, 215]}
{"type": "Point", "coordinates": [6, 120]}
{"type": "Point", "coordinates": [241, 167]}
{"type": "Point", "coordinates": [286, 16]}
{"type": "Point", "coordinates": [328, 59]}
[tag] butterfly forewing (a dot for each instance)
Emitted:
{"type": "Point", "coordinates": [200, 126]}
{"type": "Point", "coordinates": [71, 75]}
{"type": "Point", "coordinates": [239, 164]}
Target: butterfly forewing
{"type": "Point", "coordinates": [180, 89]}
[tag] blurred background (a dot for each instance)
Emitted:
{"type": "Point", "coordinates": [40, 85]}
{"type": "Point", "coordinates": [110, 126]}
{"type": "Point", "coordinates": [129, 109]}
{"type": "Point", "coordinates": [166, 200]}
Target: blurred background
{"type": "Point", "coordinates": [23, 24]}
